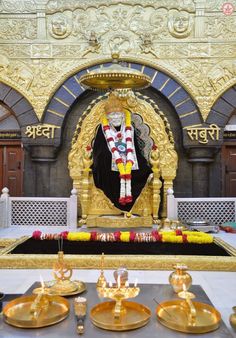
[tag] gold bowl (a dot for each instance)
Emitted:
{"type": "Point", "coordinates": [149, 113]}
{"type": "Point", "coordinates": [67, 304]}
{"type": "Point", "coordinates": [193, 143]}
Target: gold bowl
{"type": "Point", "coordinates": [174, 315]}
{"type": "Point", "coordinates": [133, 316]}
{"type": "Point", "coordinates": [18, 312]}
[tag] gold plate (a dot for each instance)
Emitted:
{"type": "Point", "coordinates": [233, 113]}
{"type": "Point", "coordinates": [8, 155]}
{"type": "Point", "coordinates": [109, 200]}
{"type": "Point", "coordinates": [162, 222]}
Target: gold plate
{"type": "Point", "coordinates": [17, 312]}
{"type": "Point", "coordinates": [81, 287]}
{"type": "Point", "coordinates": [135, 315]}
{"type": "Point", "coordinates": [174, 315]}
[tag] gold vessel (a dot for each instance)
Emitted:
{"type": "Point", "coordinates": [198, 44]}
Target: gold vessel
{"type": "Point", "coordinates": [232, 318]}
{"type": "Point", "coordinates": [36, 311]}
{"type": "Point", "coordinates": [180, 279]}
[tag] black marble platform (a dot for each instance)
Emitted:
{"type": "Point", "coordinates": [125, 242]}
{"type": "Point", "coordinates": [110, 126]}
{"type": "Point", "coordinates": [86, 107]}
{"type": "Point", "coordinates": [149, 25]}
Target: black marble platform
{"type": "Point", "coordinates": [32, 246]}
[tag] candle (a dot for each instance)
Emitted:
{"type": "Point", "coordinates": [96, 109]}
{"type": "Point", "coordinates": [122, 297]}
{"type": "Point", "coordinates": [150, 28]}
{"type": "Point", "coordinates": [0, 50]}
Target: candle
{"type": "Point", "coordinates": [118, 281]}
{"type": "Point", "coordinates": [42, 284]}
{"type": "Point", "coordinates": [110, 284]}
{"type": "Point", "coordinates": [126, 284]}
{"type": "Point", "coordinates": [135, 282]}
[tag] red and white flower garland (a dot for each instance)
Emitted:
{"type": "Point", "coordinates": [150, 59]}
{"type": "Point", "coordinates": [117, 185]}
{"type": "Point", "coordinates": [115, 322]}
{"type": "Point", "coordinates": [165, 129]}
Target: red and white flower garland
{"type": "Point", "coordinates": [124, 166]}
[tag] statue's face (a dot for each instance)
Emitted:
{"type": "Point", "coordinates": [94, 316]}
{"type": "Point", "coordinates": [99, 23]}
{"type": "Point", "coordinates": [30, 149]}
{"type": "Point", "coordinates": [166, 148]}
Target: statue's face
{"type": "Point", "coordinates": [115, 118]}
{"type": "Point", "coordinates": [59, 26]}
{"type": "Point", "coordinates": [181, 23]}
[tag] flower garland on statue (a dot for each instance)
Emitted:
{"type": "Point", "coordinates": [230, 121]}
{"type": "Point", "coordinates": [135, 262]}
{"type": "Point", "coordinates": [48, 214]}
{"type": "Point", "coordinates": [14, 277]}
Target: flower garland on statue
{"type": "Point", "coordinates": [124, 167]}
{"type": "Point", "coordinates": [177, 236]}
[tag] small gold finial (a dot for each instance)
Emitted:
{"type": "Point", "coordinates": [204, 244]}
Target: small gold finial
{"type": "Point", "coordinates": [101, 282]}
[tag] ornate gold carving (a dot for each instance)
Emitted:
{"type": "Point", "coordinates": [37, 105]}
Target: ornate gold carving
{"type": "Point", "coordinates": [41, 130]}
{"type": "Point", "coordinates": [206, 67]}
{"type": "Point", "coordinates": [208, 80]}
{"type": "Point", "coordinates": [41, 51]}
{"type": "Point", "coordinates": [201, 134]}
{"type": "Point", "coordinates": [165, 156]}
{"type": "Point", "coordinates": [180, 23]}
{"type": "Point", "coordinates": [220, 27]}
{"type": "Point", "coordinates": [60, 26]}
{"type": "Point", "coordinates": [94, 45]}
{"type": "Point", "coordinates": [17, 29]}
{"type": "Point", "coordinates": [9, 6]}
{"type": "Point", "coordinates": [156, 186]}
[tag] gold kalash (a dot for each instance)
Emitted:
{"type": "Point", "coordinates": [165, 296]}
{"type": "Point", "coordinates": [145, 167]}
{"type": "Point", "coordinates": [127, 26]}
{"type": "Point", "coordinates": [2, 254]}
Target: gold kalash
{"type": "Point", "coordinates": [96, 209]}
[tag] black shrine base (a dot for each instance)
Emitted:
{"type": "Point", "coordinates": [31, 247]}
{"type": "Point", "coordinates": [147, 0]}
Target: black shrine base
{"type": "Point", "coordinates": [32, 246]}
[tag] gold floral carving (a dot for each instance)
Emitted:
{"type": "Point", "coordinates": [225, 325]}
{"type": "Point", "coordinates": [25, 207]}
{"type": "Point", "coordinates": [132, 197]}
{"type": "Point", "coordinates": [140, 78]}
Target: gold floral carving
{"type": "Point", "coordinates": [165, 165]}
{"type": "Point", "coordinates": [17, 29]}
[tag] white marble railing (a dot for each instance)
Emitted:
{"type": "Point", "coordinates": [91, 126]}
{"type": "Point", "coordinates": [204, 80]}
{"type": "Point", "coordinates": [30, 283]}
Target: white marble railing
{"type": "Point", "coordinates": [215, 210]}
{"type": "Point", "coordinates": [2, 214]}
{"type": "Point", "coordinates": [38, 211]}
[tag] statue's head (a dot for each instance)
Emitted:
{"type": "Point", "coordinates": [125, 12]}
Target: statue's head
{"type": "Point", "coordinates": [114, 110]}
{"type": "Point", "coordinates": [59, 25]}
{"type": "Point", "coordinates": [181, 22]}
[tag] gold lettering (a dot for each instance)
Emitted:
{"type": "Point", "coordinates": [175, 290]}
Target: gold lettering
{"type": "Point", "coordinates": [41, 130]}
{"type": "Point", "coordinates": [193, 133]}
{"type": "Point", "coordinates": [212, 130]}
{"type": "Point", "coordinates": [30, 131]}
{"type": "Point", "coordinates": [201, 134]}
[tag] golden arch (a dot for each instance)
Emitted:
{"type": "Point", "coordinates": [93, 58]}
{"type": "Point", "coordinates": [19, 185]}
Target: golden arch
{"type": "Point", "coordinates": [163, 161]}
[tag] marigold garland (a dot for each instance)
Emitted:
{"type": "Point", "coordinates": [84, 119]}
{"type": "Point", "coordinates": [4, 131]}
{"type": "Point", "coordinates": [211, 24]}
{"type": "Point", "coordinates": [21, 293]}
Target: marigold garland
{"type": "Point", "coordinates": [131, 236]}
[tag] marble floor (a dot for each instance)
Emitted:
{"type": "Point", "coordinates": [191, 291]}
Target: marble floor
{"type": "Point", "coordinates": [219, 286]}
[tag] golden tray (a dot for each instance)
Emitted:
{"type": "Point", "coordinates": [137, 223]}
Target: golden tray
{"type": "Point", "coordinates": [17, 312]}
{"type": "Point", "coordinates": [174, 315]}
{"type": "Point", "coordinates": [81, 287]}
{"type": "Point", "coordinates": [135, 315]}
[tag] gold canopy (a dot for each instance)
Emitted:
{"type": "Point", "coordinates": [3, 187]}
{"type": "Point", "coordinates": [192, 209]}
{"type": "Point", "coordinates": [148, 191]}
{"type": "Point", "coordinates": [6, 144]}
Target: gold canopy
{"type": "Point", "coordinates": [115, 77]}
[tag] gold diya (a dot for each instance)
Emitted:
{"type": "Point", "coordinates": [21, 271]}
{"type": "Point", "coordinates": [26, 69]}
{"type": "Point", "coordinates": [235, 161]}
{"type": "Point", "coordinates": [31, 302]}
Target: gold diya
{"type": "Point", "coordinates": [189, 316]}
{"type": "Point", "coordinates": [62, 285]}
{"type": "Point", "coordinates": [36, 311]}
{"type": "Point", "coordinates": [118, 314]}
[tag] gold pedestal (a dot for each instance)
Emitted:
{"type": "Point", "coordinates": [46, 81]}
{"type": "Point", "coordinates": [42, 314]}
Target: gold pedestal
{"type": "Point", "coordinates": [119, 221]}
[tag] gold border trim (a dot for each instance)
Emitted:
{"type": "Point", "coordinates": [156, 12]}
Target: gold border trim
{"type": "Point", "coordinates": [132, 262]}
{"type": "Point", "coordinates": [229, 248]}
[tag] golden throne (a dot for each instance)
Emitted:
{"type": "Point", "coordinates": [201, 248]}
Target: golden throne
{"type": "Point", "coordinates": [95, 208]}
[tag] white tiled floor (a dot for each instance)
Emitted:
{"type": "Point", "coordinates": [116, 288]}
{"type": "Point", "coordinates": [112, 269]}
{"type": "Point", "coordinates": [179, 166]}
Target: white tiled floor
{"type": "Point", "coordinates": [219, 286]}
